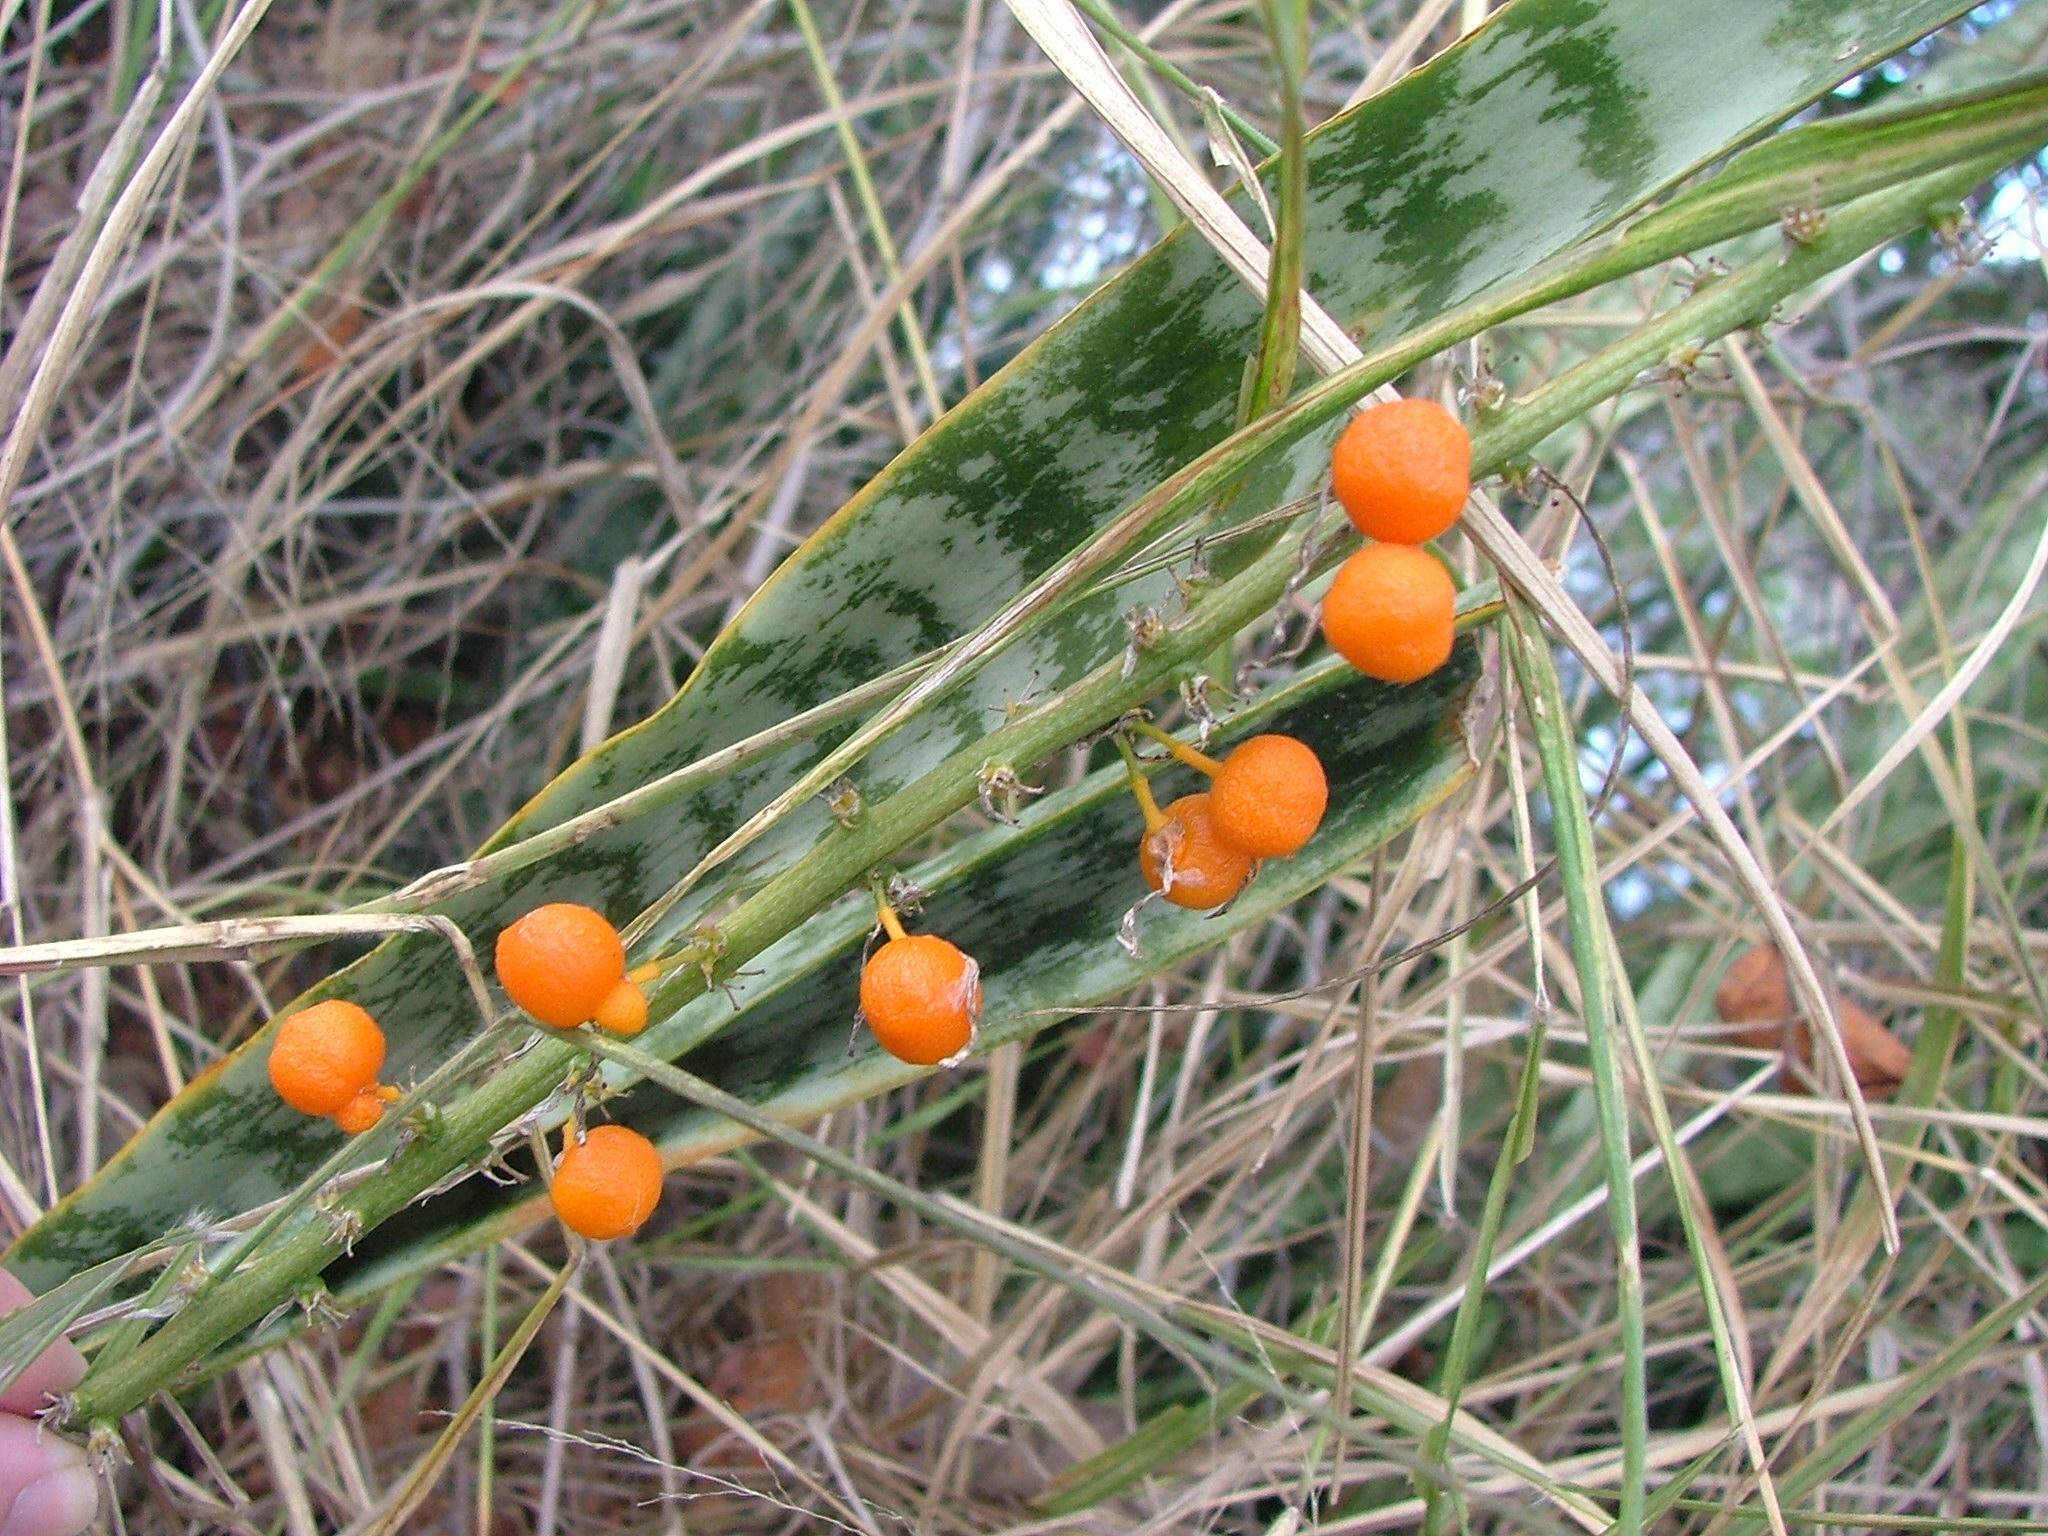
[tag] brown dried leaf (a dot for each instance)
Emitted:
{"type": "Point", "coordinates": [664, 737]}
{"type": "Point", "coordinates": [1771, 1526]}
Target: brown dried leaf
{"type": "Point", "coordinates": [787, 1304]}
{"type": "Point", "coordinates": [1879, 1056]}
{"type": "Point", "coordinates": [1756, 994]}
{"type": "Point", "coordinates": [771, 1376]}
{"type": "Point", "coordinates": [333, 330]}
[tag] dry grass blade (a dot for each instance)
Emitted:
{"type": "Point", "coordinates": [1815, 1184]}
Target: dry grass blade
{"type": "Point", "coordinates": [405, 1499]}
{"type": "Point", "coordinates": [2018, 609]}
{"type": "Point", "coordinates": [122, 221]}
{"type": "Point", "coordinates": [1051, 1408]}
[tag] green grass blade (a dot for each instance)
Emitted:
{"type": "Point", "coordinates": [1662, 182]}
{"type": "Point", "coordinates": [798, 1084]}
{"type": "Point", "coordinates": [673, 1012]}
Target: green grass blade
{"type": "Point", "coordinates": [1579, 872]}
{"type": "Point", "coordinates": [1280, 330]}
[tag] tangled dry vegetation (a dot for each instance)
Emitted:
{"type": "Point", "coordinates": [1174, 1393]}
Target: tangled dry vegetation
{"type": "Point", "coordinates": [473, 365]}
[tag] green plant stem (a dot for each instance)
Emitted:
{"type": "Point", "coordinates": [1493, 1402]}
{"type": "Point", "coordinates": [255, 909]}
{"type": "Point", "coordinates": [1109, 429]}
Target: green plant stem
{"type": "Point", "coordinates": [503, 858]}
{"type": "Point", "coordinates": [1728, 304]}
{"type": "Point", "coordinates": [1580, 870]}
{"type": "Point", "coordinates": [1689, 223]}
{"type": "Point", "coordinates": [1280, 332]}
{"type": "Point", "coordinates": [463, 1135]}
{"type": "Point", "coordinates": [26, 1333]}
{"type": "Point", "coordinates": [419, 1099]}
{"type": "Point", "coordinates": [1194, 757]}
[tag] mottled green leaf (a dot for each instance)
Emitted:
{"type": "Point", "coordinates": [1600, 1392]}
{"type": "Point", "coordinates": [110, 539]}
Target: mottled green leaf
{"type": "Point", "coordinates": [1040, 907]}
{"type": "Point", "coordinates": [1556, 119]}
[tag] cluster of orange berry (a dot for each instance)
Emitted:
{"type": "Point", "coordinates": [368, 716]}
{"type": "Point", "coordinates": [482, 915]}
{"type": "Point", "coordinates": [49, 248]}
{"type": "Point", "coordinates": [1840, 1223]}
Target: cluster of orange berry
{"type": "Point", "coordinates": [325, 1062]}
{"type": "Point", "coordinates": [1264, 801]}
{"type": "Point", "coordinates": [566, 966]}
{"type": "Point", "coordinates": [1402, 471]}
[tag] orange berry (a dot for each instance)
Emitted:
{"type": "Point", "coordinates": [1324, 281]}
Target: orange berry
{"type": "Point", "coordinates": [1390, 612]}
{"type": "Point", "coordinates": [921, 996]}
{"type": "Point", "coordinates": [1206, 871]}
{"type": "Point", "coordinates": [361, 1112]}
{"type": "Point", "coordinates": [1269, 796]}
{"type": "Point", "coordinates": [325, 1055]}
{"type": "Point", "coordinates": [624, 1009]}
{"type": "Point", "coordinates": [1402, 469]}
{"type": "Point", "coordinates": [608, 1184]}
{"type": "Point", "coordinates": [559, 962]}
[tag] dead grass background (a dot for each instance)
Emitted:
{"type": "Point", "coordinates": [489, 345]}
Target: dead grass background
{"type": "Point", "coordinates": [468, 370]}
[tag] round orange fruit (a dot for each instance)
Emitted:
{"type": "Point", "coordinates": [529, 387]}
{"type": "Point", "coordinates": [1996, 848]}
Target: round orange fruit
{"type": "Point", "coordinates": [1391, 612]}
{"type": "Point", "coordinates": [1268, 797]}
{"type": "Point", "coordinates": [624, 1009]}
{"type": "Point", "coordinates": [1205, 871]}
{"type": "Point", "coordinates": [608, 1184]}
{"type": "Point", "coordinates": [360, 1113]}
{"type": "Point", "coordinates": [1402, 470]}
{"type": "Point", "coordinates": [921, 996]}
{"type": "Point", "coordinates": [560, 962]}
{"type": "Point", "coordinates": [325, 1055]}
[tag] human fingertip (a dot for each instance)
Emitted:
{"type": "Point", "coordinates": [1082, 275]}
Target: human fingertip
{"type": "Point", "coordinates": [61, 1502]}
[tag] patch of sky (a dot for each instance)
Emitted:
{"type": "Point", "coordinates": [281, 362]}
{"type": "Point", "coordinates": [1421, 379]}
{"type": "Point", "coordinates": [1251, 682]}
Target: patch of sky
{"type": "Point", "coordinates": [1989, 14]}
{"type": "Point", "coordinates": [1635, 891]}
{"type": "Point", "coordinates": [2011, 222]}
{"type": "Point", "coordinates": [1100, 223]}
